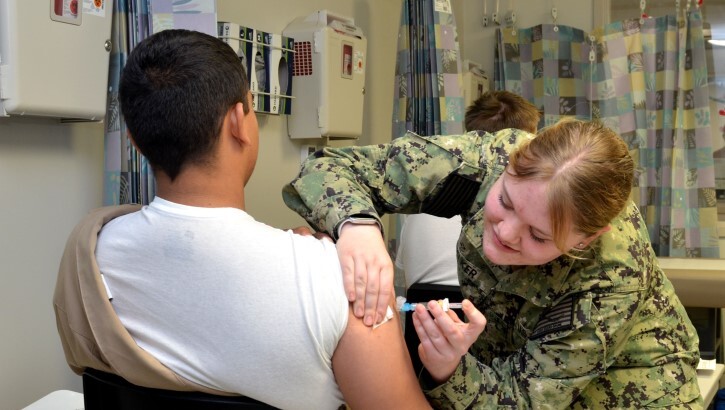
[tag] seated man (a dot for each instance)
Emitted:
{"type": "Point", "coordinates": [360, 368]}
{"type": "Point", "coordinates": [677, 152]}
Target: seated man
{"type": "Point", "coordinates": [190, 292]}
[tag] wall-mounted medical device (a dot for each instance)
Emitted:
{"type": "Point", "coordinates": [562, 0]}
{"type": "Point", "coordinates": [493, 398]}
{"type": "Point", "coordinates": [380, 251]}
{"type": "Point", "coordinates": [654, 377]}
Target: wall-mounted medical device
{"type": "Point", "coordinates": [329, 76]}
{"type": "Point", "coordinates": [475, 82]}
{"type": "Point", "coordinates": [54, 57]}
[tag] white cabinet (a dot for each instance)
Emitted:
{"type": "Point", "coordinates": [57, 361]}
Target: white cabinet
{"type": "Point", "coordinates": [328, 82]}
{"type": "Point", "coordinates": [54, 57]}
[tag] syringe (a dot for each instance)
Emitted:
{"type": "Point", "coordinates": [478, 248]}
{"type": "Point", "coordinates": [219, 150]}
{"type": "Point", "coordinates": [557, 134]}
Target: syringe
{"type": "Point", "coordinates": [404, 306]}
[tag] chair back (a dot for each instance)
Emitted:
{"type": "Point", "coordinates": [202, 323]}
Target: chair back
{"type": "Point", "coordinates": [105, 391]}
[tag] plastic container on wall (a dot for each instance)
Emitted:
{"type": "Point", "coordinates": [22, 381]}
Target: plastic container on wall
{"type": "Point", "coordinates": [54, 57]}
{"type": "Point", "coordinates": [328, 76]}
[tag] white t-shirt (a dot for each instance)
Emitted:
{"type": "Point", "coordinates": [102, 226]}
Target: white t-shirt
{"type": "Point", "coordinates": [427, 249]}
{"type": "Point", "coordinates": [229, 302]}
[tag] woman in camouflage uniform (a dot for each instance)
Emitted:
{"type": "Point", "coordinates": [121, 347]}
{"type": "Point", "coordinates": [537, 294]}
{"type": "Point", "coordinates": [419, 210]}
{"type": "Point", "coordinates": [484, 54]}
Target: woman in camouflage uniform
{"type": "Point", "coordinates": [577, 312]}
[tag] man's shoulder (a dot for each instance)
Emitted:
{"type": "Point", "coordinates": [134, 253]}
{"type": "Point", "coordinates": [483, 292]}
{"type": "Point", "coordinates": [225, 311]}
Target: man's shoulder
{"type": "Point", "coordinates": [96, 218]}
{"type": "Point", "coordinates": [110, 212]}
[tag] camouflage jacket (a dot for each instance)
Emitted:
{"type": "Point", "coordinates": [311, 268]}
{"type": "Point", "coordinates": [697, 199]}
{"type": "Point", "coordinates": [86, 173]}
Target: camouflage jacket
{"type": "Point", "coordinates": [605, 331]}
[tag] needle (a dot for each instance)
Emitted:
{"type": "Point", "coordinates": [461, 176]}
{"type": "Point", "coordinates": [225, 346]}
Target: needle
{"type": "Point", "coordinates": [404, 306]}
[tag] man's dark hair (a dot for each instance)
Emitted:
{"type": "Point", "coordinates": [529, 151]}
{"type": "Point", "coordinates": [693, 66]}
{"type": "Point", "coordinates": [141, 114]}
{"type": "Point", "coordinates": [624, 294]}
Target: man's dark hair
{"type": "Point", "coordinates": [175, 91]}
{"type": "Point", "coordinates": [499, 110]}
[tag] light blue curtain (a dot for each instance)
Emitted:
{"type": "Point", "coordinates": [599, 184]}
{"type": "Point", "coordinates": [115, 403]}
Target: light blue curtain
{"type": "Point", "coordinates": [647, 80]}
{"type": "Point", "coordinates": [428, 99]}
{"type": "Point", "coordinates": [548, 65]}
{"type": "Point", "coordinates": [128, 178]}
{"type": "Point", "coordinates": [652, 89]}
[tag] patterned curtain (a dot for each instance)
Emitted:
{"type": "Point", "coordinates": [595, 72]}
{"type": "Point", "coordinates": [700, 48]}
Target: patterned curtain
{"type": "Point", "coordinates": [547, 65]}
{"type": "Point", "coordinates": [128, 176]}
{"type": "Point", "coordinates": [648, 82]}
{"type": "Point", "coordinates": [654, 92]}
{"type": "Point", "coordinates": [428, 98]}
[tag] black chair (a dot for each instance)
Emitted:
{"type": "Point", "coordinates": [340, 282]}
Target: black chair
{"type": "Point", "coordinates": [105, 391]}
{"type": "Point", "coordinates": [423, 292]}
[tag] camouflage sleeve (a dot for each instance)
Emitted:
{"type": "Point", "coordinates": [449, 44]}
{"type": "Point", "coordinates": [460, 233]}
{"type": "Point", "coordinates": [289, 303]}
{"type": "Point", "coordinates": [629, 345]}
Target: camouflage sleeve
{"type": "Point", "coordinates": [373, 180]}
{"type": "Point", "coordinates": [553, 367]}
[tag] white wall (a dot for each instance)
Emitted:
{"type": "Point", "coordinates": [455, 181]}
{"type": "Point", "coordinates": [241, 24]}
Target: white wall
{"type": "Point", "coordinates": [478, 42]}
{"type": "Point", "coordinates": [50, 176]}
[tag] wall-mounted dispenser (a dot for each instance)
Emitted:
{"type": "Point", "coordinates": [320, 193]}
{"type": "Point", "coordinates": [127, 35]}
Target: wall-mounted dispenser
{"type": "Point", "coordinates": [329, 77]}
{"type": "Point", "coordinates": [54, 57]}
{"type": "Point", "coordinates": [268, 59]}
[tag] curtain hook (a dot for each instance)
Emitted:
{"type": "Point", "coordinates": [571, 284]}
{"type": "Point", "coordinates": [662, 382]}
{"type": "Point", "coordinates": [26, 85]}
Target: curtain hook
{"type": "Point", "coordinates": [494, 17]}
{"type": "Point", "coordinates": [553, 14]}
{"type": "Point", "coordinates": [642, 14]}
{"type": "Point", "coordinates": [485, 13]}
{"type": "Point", "coordinates": [511, 18]}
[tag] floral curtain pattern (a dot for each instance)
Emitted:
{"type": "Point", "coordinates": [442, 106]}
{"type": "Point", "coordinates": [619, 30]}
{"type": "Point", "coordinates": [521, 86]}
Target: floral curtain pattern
{"type": "Point", "coordinates": [547, 65]}
{"type": "Point", "coordinates": [428, 98]}
{"type": "Point", "coordinates": [128, 178]}
{"type": "Point", "coordinates": [647, 80]}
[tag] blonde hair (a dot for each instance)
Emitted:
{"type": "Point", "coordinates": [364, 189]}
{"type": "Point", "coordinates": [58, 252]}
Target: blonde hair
{"type": "Point", "coordinates": [588, 170]}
